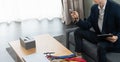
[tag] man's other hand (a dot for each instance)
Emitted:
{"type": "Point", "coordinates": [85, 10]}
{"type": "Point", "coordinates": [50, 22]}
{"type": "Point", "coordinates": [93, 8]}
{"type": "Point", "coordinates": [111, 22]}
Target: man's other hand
{"type": "Point", "coordinates": [112, 39]}
{"type": "Point", "coordinates": [75, 16]}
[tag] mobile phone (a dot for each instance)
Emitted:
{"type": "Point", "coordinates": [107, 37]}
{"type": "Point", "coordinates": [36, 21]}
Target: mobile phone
{"type": "Point", "coordinates": [70, 10]}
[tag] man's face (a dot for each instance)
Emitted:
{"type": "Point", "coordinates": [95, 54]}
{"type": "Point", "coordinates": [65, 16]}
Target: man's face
{"type": "Point", "coordinates": [97, 1]}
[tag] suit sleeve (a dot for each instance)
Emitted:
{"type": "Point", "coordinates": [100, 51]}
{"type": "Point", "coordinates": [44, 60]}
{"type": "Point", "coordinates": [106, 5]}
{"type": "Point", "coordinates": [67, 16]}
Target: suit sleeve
{"type": "Point", "coordinates": [86, 24]}
{"type": "Point", "coordinates": [117, 16]}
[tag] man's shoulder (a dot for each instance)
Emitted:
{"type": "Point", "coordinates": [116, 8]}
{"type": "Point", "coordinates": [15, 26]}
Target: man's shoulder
{"type": "Point", "coordinates": [95, 6]}
{"type": "Point", "coordinates": [113, 3]}
{"type": "Point", "coordinates": [113, 6]}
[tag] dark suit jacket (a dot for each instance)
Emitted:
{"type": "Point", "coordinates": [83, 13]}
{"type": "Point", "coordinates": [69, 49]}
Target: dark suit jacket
{"type": "Point", "coordinates": [111, 22]}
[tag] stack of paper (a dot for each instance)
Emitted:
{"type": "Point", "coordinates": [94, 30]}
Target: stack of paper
{"type": "Point", "coordinates": [37, 57]}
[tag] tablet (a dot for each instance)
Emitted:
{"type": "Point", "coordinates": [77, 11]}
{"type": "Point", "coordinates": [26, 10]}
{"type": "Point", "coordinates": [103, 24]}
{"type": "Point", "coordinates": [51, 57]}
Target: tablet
{"type": "Point", "coordinates": [105, 35]}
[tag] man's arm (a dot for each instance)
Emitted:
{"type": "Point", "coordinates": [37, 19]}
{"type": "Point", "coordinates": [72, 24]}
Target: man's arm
{"type": "Point", "coordinates": [116, 37]}
{"type": "Point", "coordinates": [118, 22]}
{"type": "Point", "coordinates": [85, 24]}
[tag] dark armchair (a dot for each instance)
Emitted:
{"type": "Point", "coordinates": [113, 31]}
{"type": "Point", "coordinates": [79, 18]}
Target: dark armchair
{"type": "Point", "coordinates": [90, 50]}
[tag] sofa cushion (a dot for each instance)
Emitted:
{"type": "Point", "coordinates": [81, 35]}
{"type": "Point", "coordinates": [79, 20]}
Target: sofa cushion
{"type": "Point", "coordinates": [91, 50]}
{"type": "Point", "coordinates": [71, 38]}
{"type": "Point", "coordinates": [113, 57]}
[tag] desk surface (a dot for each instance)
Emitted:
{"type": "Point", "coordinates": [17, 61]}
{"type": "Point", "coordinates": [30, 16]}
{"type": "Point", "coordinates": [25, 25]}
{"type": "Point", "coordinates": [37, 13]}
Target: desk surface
{"type": "Point", "coordinates": [44, 43]}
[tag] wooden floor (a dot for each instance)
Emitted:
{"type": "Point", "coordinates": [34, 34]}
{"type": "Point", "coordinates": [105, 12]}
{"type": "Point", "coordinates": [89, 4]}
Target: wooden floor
{"type": "Point", "coordinates": [14, 30]}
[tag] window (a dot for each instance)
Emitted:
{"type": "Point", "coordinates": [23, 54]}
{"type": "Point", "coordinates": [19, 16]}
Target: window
{"type": "Point", "coordinates": [15, 10]}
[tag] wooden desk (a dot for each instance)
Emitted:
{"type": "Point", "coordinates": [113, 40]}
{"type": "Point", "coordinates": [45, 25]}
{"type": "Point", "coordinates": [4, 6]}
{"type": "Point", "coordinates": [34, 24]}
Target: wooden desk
{"type": "Point", "coordinates": [44, 43]}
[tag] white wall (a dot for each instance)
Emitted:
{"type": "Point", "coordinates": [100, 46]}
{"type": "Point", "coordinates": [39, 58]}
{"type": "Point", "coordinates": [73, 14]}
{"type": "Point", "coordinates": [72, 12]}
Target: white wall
{"type": "Point", "coordinates": [87, 7]}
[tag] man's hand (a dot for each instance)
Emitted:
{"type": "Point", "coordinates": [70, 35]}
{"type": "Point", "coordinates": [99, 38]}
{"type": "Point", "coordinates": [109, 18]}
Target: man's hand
{"type": "Point", "coordinates": [112, 39]}
{"type": "Point", "coordinates": [75, 16]}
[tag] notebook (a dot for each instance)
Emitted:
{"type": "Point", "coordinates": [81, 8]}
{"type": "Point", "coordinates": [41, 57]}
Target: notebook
{"type": "Point", "coordinates": [105, 35]}
{"type": "Point", "coordinates": [36, 57]}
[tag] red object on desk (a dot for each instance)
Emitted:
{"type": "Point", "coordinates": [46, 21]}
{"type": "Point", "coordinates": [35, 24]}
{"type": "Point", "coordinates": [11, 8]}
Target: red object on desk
{"type": "Point", "coordinates": [76, 59]}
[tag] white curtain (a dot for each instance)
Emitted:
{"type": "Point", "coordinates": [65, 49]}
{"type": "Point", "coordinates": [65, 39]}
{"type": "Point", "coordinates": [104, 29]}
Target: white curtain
{"type": "Point", "coordinates": [16, 10]}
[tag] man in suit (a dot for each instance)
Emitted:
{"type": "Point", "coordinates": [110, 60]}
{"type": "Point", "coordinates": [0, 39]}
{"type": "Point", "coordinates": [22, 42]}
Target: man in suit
{"type": "Point", "coordinates": [105, 19]}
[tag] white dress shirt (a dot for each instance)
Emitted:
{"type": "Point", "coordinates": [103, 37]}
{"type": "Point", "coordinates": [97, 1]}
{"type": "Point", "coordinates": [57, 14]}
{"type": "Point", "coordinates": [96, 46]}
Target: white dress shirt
{"type": "Point", "coordinates": [101, 16]}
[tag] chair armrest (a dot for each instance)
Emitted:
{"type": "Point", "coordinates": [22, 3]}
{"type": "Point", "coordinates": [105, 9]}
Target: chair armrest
{"type": "Point", "coordinates": [68, 31]}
